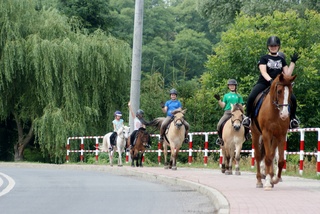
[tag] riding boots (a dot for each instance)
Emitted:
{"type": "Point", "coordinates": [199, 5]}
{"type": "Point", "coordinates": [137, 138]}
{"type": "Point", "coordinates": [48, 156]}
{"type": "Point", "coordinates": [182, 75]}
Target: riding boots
{"type": "Point", "coordinates": [294, 124]}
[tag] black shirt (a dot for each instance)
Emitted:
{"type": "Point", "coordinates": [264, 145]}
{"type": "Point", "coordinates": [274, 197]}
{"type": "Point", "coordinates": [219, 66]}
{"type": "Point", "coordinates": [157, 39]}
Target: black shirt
{"type": "Point", "coordinates": [274, 64]}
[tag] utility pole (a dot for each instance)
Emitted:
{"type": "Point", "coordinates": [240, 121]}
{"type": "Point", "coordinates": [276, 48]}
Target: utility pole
{"type": "Point", "coordinates": [136, 60]}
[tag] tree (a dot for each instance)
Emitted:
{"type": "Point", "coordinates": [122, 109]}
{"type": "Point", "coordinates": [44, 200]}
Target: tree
{"type": "Point", "coordinates": [56, 82]}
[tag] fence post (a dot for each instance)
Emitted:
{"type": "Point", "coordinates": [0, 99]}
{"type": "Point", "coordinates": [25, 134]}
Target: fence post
{"type": "Point", "coordinates": [190, 150]}
{"type": "Point", "coordinates": [301, 151]}
{"type": "Point", "coordinates": [318, 153]}
{"type": "Point", "coordinates": [68, 150]}
{"type": "Point", "coordinates": [252, 156]}
{"type": "Point", "coordinates": [81, 149]}
{"type": "Point", "coordinates": [97, 149]}
{"type": "Point", "coordinates": [159, 151]}
{"type": "Point", "coordinates": [285, 154]}
{"type": "Point", "coordinates": [206, 144]}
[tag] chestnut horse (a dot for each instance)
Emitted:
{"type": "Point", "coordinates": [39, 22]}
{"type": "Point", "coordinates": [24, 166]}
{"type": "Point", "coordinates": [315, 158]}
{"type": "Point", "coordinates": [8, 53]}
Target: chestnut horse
{"type": "Point", "coordinates": [233, 138]}
{"type": "Point", "coordinates": [139, 147]}
{"type": "Point", "coordinates": [269, 129]}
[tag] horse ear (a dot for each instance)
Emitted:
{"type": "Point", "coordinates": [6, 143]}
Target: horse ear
{"type": "Point", "coordinates": [293, 78]}
{"type": "Point", "coordinates": [184, 111]}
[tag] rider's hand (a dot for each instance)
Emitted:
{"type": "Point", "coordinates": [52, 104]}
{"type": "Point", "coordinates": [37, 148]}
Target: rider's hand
{"type": "Point", "coordinates": [217, 96]}
{"type": "Point", "coordinates": [162, 104]}
{"type": "Point", "coordinates": [295, 57]}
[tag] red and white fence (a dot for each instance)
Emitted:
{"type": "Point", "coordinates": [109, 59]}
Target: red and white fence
{"type": "Point", "coordinates": [206, 149]}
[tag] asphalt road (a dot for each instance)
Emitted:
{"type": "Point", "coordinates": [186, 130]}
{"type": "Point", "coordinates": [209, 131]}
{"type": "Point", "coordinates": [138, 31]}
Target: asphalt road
{"type": "Point", "coordinates": [39, 189]}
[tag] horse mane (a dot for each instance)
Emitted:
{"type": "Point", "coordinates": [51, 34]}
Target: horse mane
{"type": "Point", "coordinates": [178, 110]}
{"type": "Point", "coordinates": [236, 107]}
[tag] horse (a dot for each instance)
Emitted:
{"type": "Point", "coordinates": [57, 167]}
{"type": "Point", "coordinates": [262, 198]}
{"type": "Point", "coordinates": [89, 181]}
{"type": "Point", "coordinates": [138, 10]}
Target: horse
{"type": "Point", "coordinates": [233, 138]}
{"type": "Point", "coordinates": [122, 136]}
{"type": "Point", "coordinates": [138, 149]}
{"type": "Point", "coordinates": [269, 129]}
{"type": "Point", "coordinates": [174, 136]}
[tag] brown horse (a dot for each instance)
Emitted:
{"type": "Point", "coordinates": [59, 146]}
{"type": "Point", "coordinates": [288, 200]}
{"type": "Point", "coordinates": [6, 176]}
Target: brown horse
{"type": "Point", "coordinates": [233, 138]}
{"type": "Point", "coordinates": [138, 149]}
{"type": "Point", "coordinates": [270, 127]}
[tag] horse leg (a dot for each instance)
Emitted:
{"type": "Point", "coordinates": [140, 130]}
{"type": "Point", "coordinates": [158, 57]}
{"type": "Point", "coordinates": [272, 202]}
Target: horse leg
{"type": "Point", "coordinates": [120, 158]}
{"type": "Point", "coordinates": [174, 160]}
{"type": "Point", "coordinates": [223, 166]}
{"type": "Point", "coordinates": [237, 159]}
{"type": "Point", "coordinates": [132, 157]}
{"type": "Point", "coordinates": [269, 156]}
{"type": "Point", "coordinates": [165, 153]}
{"type": "Point", "coordinates": [280, 155]}
{"type": "Point", "coordinates": [258, 157]}
{"type": "Point", "coordinates": [141, 157]}
{"type": "Point", "coordinates": [111, 157]}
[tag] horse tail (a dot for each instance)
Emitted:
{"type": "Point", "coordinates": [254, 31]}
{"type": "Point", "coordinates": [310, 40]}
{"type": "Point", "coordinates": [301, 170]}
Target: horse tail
{"type": "Point", "coordinates": [157, 122]}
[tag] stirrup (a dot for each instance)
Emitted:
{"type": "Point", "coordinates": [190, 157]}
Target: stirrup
{"type": "Point", "coordinates": [219, 141]}
{"type": "Point", "coordinates": [161, 139]}
{"type": "Point", "coordinates": [294, 124]}
{"type": "Point", "coordinates": [186, 140]}
{"type": "Point", "coordinates": [246, 122]}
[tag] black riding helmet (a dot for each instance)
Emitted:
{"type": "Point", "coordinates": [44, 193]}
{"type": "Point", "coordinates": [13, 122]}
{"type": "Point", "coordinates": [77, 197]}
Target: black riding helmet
{"type": "Point", "coordinates": [173, 91]}
{"type": "Point", "coordinates": [233, 82]}
{"type": "Point", "coordinates": [139, 113]}
{"type": "Point", "coordinates": [273, 41]}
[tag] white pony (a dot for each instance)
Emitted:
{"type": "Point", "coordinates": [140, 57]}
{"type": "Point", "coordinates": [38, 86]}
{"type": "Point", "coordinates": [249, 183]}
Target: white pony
{"type": "Point", "coordinates": [122, 136]}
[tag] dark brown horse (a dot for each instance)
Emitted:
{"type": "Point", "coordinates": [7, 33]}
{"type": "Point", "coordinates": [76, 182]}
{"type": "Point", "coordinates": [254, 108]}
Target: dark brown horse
{"type": "Point", "coordinates": [269, 129]}
{"type": "Point", "coordinates": [138, 149]}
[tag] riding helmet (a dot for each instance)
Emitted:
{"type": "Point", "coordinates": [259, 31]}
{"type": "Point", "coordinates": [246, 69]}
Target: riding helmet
{"type": "Point", "coordinates": [232, 82]}
{"type": "Point", "coordinates": [118, 113]}
{"type": "Point", "coordinates": [273, 41]}
{"type": "Point", "coordinates": [173, 91]}
{"type": "Point", "coordinates": [139, 113]}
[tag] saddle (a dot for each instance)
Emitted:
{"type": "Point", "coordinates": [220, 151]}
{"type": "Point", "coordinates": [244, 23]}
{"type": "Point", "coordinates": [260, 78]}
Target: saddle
{"type": "Point", "coordinates": [258, 101]}
{"type": "Point", "coordinates": [221, 127]}
{"type": "Point", "coordinates": [113, 138]}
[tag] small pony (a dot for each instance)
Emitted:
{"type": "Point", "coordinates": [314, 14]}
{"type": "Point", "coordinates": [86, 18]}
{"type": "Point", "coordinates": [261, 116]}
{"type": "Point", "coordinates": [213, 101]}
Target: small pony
{"type": "Point", "coordinates": [233, 138]}
{"type": "Point", "coordinates": [122, 136]}
{"type": "Point", "coordinates": [269, 129]}
{"type": "Point", "coordinates": [174, 136]}
{"type": "Point", "coordinates": [138, 149]}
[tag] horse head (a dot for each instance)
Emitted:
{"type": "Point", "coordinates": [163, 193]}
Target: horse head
{"type": "Point", "coordinates": [236, 116]}
{"type": "Point", "coordinates": [143, 136]}
{"type": "Point", "coordinates": [123, 132]}
{"type": "Point", "coordinates": [178, 117]}
{"type": "Point", "coordinates": [280, 93]}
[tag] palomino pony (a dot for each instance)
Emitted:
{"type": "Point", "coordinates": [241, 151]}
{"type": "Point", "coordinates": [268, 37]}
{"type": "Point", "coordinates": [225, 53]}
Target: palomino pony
{"type": "Point", "coordinates": [233, 138]}
{"type": "Point", "coordinates": [269, 129]}
{"type": "Point", "coordinates": [138, 149]}
{"type": "Point", "coordinates": [122, 136]}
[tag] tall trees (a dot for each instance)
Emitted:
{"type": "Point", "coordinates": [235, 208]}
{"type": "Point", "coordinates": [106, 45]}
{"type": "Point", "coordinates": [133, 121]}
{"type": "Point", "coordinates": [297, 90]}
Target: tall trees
{"type": "Point", "coordinates": [56, 82]}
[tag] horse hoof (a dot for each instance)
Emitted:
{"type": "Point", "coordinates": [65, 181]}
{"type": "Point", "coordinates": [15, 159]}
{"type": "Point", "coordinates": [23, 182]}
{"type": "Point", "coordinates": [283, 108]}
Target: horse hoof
{"type": "Point", "coordinates": [268, 188]}
{"type": "Point", "coordinates": [166, 167]}
{"type": "Point", "coordinates": [259, 186]}
{"type": "Point", "coordinates": [228, 173]}
{"type": "Point", "coordinates": [237, 173]}
{"type": "Point", "coordinates": [120, 165]}
{"type": "Point", "coordinates": [174, 168]}
{"type": "Point", "coordinates": [223, 170]}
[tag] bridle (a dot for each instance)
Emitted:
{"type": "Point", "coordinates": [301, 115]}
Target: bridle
{"type": "Point", "coordinates": [276, 101]}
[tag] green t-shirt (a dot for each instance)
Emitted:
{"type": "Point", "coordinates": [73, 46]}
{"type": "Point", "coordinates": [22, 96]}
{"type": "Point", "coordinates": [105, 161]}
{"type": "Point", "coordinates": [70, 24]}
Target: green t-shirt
{"type": "Point", "coordinates": [231, 98]}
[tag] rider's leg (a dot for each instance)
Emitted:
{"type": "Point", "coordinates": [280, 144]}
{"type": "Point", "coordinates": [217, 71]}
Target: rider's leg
{"type": "Point", "coordinates": [186, 137]}
{"type": "Point", "coordinates": [164, 126]}
{"type": "Point", "coordinates": [226, 115]}
{"type": "Point", "coordinates": [249, 106]}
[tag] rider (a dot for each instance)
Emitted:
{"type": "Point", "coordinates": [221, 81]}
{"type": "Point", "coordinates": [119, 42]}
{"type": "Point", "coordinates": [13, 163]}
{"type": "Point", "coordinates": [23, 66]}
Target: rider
{"type": "Point", "coordinates": [168, 107]}
{"type": "Point", "coordinates": [230, 98]}
{"type": "Point", "coordinates": [270, 66]}
{"type": "Point", "coordinates": [137, 125]}
{"type": "Point", "coordinates": [117, 123]}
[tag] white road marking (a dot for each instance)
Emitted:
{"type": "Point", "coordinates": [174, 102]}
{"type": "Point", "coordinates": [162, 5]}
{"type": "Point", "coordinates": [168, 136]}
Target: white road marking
{"type": "Point", "coordinates": [10, 185]}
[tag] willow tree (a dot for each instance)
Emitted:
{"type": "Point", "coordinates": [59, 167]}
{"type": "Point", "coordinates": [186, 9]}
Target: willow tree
{"type": "Point", "coordinates": [55, 81]}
